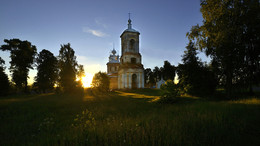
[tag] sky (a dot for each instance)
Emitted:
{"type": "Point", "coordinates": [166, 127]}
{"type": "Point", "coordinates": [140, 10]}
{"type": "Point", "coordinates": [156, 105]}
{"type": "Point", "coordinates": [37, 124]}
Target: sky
{"type": "Point", "coordinates": [93, 26]}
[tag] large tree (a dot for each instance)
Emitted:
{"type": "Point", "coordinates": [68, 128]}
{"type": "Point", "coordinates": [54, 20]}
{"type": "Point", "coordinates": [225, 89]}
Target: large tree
{"type": "Point", "coordinates": [22, 59]}
{"type": "Point", "coordinates": [157, 73]}
{"type": "Point", "coordinates": [194, 77]}
{"type": "Point", "coordinates": [47, 67]}
{"type": "Point", "coordinates": [230, 36]}
{"type": "Point", "coordinates": [4, 82]}
{"type": "Point", "coordinates": [168, 71]}
{"type": "Point", "coordinates": [101, 82]}
{"type": "Point", "coordinates": [67, 68]}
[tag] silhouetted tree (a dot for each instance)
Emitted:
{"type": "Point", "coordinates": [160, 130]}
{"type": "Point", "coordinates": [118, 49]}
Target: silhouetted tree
{"type": "Point", "coordinates": [168, 71]}
{"type": "Point", "coordinates": [67, 68]}
{"type": "Point", "coordinates": [157, 73]}
{"type": "Point", "coordinates": [147, 72]}
{"type": "Point", "coordinates": [230, 35]}
{"type": "Point", "coordinates": [22, 58]}
{"type": "Point", "coordinates": [101, 82]}
{"type": "Point", "coordinates": [4, 82]}
{"type": "Point", "coordinates": [194, 77]}
{"type": "Point", "coordinates": [47, 67]}
{"type": "Point", "coordinates": [149, 77]}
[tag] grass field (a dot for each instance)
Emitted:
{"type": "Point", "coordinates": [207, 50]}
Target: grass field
{"type": "Point", "coordinates": [127, 118]}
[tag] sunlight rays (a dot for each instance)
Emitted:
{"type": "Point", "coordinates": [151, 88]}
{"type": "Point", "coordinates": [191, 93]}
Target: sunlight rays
{"type": "Point", "coordinates": [87, 80]}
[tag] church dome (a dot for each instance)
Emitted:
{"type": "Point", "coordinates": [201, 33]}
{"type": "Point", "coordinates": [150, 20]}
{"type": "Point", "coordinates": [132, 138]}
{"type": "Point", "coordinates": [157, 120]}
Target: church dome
{"type": "Point", "coordinates": [130, 29]}
{"type": "Point", "coordinates": [113, 52]}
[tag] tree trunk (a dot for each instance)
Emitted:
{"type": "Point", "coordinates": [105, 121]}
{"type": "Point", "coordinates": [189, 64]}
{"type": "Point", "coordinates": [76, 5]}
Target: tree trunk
{"type": "Point", "coordinates": [229, 81]}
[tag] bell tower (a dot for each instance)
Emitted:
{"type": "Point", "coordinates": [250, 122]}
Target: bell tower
{"type": "Point", "coordinates": [131, 69]}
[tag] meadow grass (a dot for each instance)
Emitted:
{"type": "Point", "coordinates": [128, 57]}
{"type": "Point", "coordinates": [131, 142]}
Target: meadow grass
{"type": "Point", "coordinates": [127, 118]}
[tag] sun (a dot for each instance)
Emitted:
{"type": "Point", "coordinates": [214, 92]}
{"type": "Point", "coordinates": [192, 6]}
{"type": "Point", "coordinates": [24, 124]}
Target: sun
{"type": "Point", "coordinates": [87, 80]}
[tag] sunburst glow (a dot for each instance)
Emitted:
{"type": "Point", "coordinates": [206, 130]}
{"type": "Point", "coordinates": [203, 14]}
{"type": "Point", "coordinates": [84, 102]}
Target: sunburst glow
{"type": "Point", "coordinates": [87, 80]}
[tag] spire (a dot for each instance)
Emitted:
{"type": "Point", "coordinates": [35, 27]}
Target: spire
{"type": "Point", "coordinates": [129, 22]}
{"type": "Point", "coordinates": [113, 51]}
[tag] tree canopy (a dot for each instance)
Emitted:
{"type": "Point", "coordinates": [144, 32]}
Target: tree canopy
{"type": "Point", "coordinates": [230, 36]}
{"type": "Point", "coordinates": [168, 71]}
{"type": "Point", "coordinates": [47, 67]}
{"type": "Point", "coordinates": [67, 68]}
{"type": "Point", "coordinates": [194, 77]}
{"type": "Point", "coordinates": [22, 59]}
{"type": "Point", "coordinates": [101, 82]}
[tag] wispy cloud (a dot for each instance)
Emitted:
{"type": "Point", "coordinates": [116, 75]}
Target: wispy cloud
{"type": "Point", "coordinates": [99, 21]}
{"type": "Point", "coordinates": [94, 32]}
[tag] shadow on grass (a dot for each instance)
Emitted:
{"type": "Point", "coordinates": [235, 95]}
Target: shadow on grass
{"type": "Point", "coordinates": [22, 98]}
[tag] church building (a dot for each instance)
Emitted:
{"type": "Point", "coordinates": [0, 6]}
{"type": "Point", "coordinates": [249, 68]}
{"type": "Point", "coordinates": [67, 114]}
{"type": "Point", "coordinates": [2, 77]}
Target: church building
{"type": "Point", "coordinates": [128, 71]}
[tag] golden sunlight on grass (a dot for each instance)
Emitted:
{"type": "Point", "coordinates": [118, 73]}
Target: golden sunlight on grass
{"type": "Point", "coordinates": [135, 95]}
{"type": "Point", "coordinates": [87, 80]}
{"type": "Point", "coordinates": [247, 101]}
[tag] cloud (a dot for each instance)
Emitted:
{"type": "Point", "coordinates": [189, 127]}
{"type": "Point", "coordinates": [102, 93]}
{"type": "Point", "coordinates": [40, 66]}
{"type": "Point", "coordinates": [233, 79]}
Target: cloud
{"type": "Point", "coordinates": [99, 21]}
{"type": "Point", "coordinates": [94, 32]}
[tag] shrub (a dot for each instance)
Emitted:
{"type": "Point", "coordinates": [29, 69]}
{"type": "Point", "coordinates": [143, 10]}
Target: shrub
{"type": "Point", "coordinates": [170, 92]}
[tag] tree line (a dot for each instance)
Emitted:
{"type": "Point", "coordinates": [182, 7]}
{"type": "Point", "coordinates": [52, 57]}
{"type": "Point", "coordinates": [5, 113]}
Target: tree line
{"type": "Point", "coordinates": [60, 71]}
{"type": "Point", "coordinates": [230, 36]}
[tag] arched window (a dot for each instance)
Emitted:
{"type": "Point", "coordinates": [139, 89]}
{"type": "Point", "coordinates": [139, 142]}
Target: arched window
{"type": "Point", "coordinates": [132, 44]}
{"type": "Point", "coordinates": [133, 60]}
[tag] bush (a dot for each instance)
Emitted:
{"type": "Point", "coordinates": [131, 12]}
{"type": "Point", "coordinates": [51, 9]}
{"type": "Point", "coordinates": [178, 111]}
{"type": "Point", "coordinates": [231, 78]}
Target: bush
{"type": "Point", "coordinates": [170, 92]}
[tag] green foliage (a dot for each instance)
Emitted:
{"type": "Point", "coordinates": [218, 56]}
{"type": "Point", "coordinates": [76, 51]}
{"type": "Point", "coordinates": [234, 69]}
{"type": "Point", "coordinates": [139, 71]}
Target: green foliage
{"type": "Point", "coordinates": [100, 83]}
{"type": "Point", "coordinates": [230, 35]}
{"type": "Point", "coordinates": [149, 77]}
{"type": "Point", "coordinates": [152, 76]}
{"type": "Point", "coordinates": [47, 67]}
{"type": "Point", "coordinates": [157, 73]}
{"type": "Point", "coordinates": [84, 121]}
{"type": "Point", "coordinates": [67, 68]}
{"type": "Point", "coordinates": [168, 71]}
{"type": "Point", "coordinates": [22, 59]}
{"type": "Point", "coordinates": [4, 82]}
{"type": "Point", "coordinates": [170, 92]}
{"type": "Point", "coordinates": [194, 77]}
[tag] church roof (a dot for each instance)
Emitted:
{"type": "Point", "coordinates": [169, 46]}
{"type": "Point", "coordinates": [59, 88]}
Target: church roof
{"type": "Point", "coordinates": [113, 58]}
{"type": "Point", "coordinates": [130, 29]}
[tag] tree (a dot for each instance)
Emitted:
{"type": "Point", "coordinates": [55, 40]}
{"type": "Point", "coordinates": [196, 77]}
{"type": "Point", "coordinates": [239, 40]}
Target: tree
{"type": "Point", "coordinates": [168, 71]}
{"type": "Point", "coordinates": [230, 35]}
{"type": "Point", "coordinates": [4, 84]}
{"type": "Point", "coordinates": [194, 77]}
{"type": "Point", "coordinates": [147, 72]}
{"type": "Point", "coordinates": [170, 92]}
{"type": "Point", "coordinates": [101, 82]}
{"type": "Point", "coordinates": [67, 68]}
{"type": "Point", "coordinates": [47, 67]}
{"type": "Point", "coordinates": [22, 58]}
{"type": "Point", "coordinates": [157, 73]}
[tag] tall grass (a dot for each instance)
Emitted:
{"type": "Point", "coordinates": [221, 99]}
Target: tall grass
{"type": "Point", "coordinates": [127, 118]}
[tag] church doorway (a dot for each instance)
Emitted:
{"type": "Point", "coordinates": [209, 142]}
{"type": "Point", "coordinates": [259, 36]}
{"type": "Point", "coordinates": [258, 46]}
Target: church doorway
{"type": "Point", "coordinates": [134, 81]}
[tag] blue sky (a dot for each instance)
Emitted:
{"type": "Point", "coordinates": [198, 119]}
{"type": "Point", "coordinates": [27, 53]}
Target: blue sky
{"type": "Point", "coordinates": [92, 26]}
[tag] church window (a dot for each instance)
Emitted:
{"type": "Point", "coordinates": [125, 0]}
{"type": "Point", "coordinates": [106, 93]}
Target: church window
{"type": "Point", "coordinates": [132, 44]}
{"type": "Point", "coordinates": [133, 60]}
